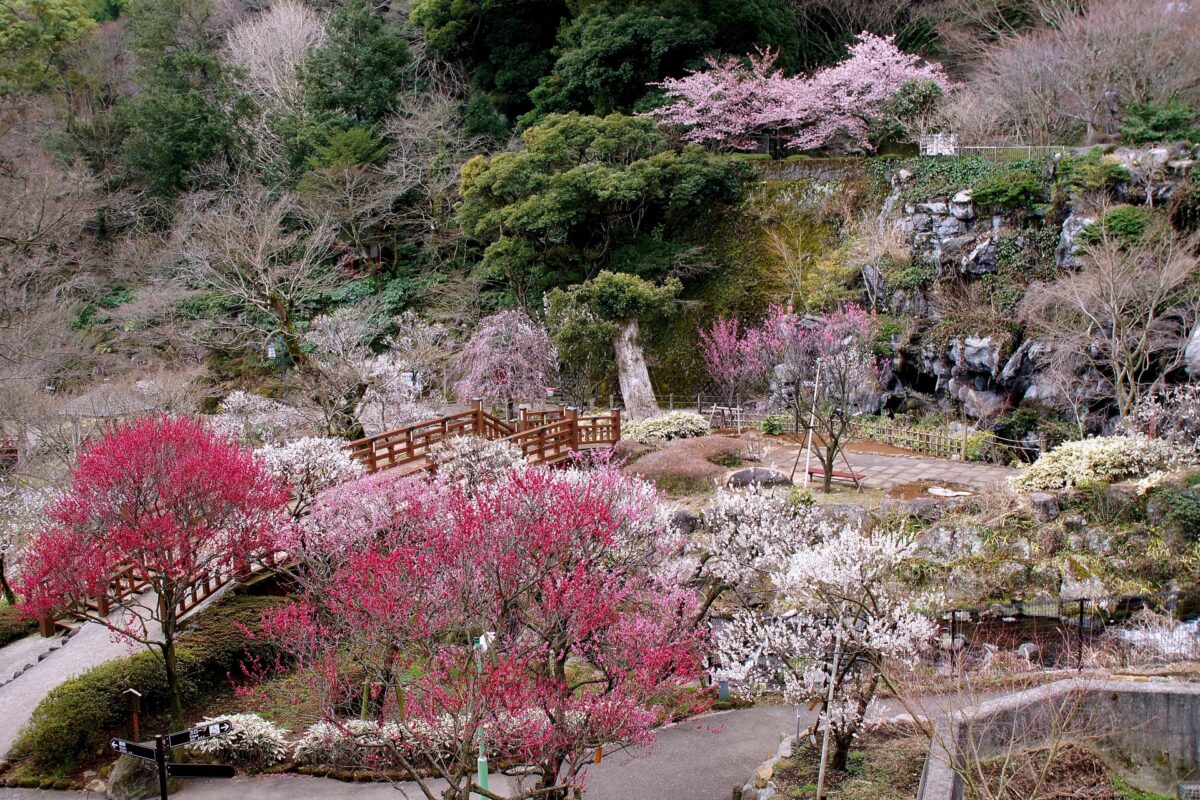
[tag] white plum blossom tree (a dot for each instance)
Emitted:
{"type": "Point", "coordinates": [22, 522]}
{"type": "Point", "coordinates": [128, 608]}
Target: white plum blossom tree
{"type": "Point", "coordinates": [254, 419]}
{"type": "Point", "coordinates": [309, 466]}
{"type": "Point", "coordinates": [21, 511]}
{"type": "Point", "coordinates": [746, 538]}
{"type": "Point", "coordinates": [837, 610]}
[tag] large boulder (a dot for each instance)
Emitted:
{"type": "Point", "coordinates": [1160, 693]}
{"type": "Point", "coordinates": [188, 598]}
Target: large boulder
{"type": "Point", "coordinates": [962, 206]}
{"type": "Point", "coordinates": [1066, 255]}
{"type": "Point", "coordinates": [759, 476]}
{"type": "Point", "coordinates": [1191, 354]}
{"type": "Point", "coordinates": [977, 353]}
{"type": "Point", "coordinates": [132, 779]}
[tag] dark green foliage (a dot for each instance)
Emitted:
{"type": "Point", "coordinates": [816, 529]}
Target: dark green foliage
{"type": "Point", "coordinates": [353, 147]}
{"type": "Point", "coordinates": [610, 53]}
{"type": "Point", "coordinates": [591, 56]}
{"type": "Point", "coordinates": [607, 58]}
{"type": "Point", "coordinates": [911, 276]}
{"type": "Point", "coordinates": [186, 110]}
{"type": "Point", "coordinates": [1012, 190]}
{"type": "Point", "coordinates": [1126, 224]}
{"type": "Point", "coordinates": [75, 720]}
{"type": "Point", "coordinates": [1171, 121]}
{"type": "Point", "coordinates": [1093, 172]}
{"type": "Point", "coordinates": [506, 44]}
{"type": "Point", "coordinates": [584, 343]}
{"type": "Point", "coordinates": [14, 624]}
{"type": "Point", "coordinates": [104, 10]}
{"type": "Point", "coordinates": [1181, 509]}
{"type": "Point", "coordinates": [620, 296]}
{"type": "Point", "coordinates": [915, 99]}
{"type": "Point", "coordinates": [360, 68]}
{"type": "Point", "coordinates": [588, 193]}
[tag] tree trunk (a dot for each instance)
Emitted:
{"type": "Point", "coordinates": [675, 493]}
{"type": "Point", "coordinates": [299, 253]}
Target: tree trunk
{"type": "Point", "coordinates": [172, 668]}
{"type": "Point", "coordinates": [9, 595]}
{"type": "Point", "coordinates": [632, 373]}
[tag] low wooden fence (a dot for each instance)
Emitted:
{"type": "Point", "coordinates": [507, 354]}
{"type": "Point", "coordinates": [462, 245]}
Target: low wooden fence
{"type": "Point", "coordinates": [938, 442]}
{"type": "Point", "coordinates": [545, 437]}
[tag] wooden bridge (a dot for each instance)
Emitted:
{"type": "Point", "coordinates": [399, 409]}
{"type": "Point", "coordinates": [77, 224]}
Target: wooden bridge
{"type": "Point", "coordinates": [545, 437]}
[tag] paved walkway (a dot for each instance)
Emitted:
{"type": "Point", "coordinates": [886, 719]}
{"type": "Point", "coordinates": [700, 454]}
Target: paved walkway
{"type": "Point", "coordinates": [92, 645]}
{"type": "Point", "coordinates": [884, 471]}
{"type": "Point", "coordinates": [701, 759]}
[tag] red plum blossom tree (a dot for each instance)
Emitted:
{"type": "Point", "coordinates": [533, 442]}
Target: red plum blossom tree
{"type": "Point", "coordinates": [738, 358]}
{"type": "Point", "coordinates": [166, 498]}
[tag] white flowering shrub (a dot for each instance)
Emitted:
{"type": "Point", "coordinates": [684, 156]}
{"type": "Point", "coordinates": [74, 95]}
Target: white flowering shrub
{"type": "Point", "coordinates": [309, 465]}
{"type": "Point", "coordinates": [393, 397]}
{"type": "Point", "coordinates": [1107, 459]}
{"type": "Point", "coordinates": [471, 460]}
{"type": "Point", "coordinates": [672, 425]}
{"type": "Point", "coordinates": [368, 744]}
{"type": "Point", "coordinates": [254, 743]}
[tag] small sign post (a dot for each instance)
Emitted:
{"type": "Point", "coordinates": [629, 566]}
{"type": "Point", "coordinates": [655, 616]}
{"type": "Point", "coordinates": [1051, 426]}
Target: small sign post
{"type": "Point", "coordinates": [163, 744]}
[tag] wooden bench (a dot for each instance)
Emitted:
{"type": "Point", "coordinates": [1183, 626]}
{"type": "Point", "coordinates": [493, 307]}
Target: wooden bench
{"type": "Point", "coordinates": [817, 472]}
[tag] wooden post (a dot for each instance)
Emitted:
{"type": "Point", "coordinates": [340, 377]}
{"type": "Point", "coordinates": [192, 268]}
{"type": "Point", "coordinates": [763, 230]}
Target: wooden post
{"type": "Point", "coordinates": [477, 407]}
{"type": "Point", "coordinates": [571, 415]}
{"type": "Point", "coordinates": [522, 419]}
{"type": "Point", "coordinates": [616, 424]}
{"type": "Point", "coordinates": [46, 625]}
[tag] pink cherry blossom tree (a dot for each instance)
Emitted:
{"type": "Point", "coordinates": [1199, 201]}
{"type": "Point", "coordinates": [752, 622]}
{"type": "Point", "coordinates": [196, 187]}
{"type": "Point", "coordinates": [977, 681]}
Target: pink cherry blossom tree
{"type": "Point", "coordinates": [508, 358]}
{"type": "Point", "coordinates": [731, 103]}
{"type": "Point", "coordinates": [524, 615]}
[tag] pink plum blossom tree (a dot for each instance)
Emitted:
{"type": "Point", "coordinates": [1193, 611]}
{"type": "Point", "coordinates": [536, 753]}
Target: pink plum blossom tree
{"type": "Point", "coordinates": [731, 103]}
{"type": "Point", "coordinates": [738, 358]}
{"type": "Point", "coordinates": [525, 615]}
{"type": "Point", "coordinates": [827, 374]}
{"type": "Point", "coordinates": [508, 358]}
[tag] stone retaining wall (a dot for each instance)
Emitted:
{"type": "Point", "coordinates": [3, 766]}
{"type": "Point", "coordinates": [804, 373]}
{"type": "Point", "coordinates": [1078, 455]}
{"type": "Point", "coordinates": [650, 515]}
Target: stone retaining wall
{"type": "Point", "coordinates": [1151, 734]}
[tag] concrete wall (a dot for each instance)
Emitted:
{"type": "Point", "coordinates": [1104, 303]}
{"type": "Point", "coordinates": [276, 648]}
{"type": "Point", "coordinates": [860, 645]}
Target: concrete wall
{"type": "Point", "coordinates": [1149, 732]}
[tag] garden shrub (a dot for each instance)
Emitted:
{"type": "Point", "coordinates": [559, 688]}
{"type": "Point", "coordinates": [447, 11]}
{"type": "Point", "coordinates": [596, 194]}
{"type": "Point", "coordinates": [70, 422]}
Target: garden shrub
{"type": "Point", "coordinates": [1015, 189]}
{"type": "Point", "coordinates": [1106, 459]}
{"type": "Point", "coordinates": [73, 722]}
{"type": "Point", "coordinates": [1171, 121]}
{"type": "Point", "coordinates": [980, 445]}
{"type": "Point", "coordinates": [665, 427]}
{"type": "Point", "coordinates": [254, 743]}
{"type": "Point", "coordinates": [774, 424]}
{"type": "Point", "coordinates": [1180, 508]}
{"type": "Point", "coordinates": [368, 744]}
{"type": "Point", "coordinates": [1126, 224]}
{"type": "Point", "coordinates": [14, 625]}
{"type": "Point", "coordinates": [1093, 172]}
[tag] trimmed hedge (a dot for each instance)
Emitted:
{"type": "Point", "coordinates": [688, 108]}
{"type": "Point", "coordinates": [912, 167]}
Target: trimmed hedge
{"type": "Point", "coordinates": [14, 625]}
{"type": "Point", "coordinates": [73, 722]}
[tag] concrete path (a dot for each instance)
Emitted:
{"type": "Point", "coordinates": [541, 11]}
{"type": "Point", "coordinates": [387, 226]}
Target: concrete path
{"type": "Point", "coordinates": [92, 645]}
{"type": "Point", "coordinates": [701, 759]}
{"type": "Point", "coordinates": [884, 471]}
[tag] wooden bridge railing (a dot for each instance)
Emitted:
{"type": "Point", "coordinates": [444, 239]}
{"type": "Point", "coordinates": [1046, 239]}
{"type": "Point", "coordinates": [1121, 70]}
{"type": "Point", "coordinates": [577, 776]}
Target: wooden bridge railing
{"type": "Point", "coordinates": [543, 436]}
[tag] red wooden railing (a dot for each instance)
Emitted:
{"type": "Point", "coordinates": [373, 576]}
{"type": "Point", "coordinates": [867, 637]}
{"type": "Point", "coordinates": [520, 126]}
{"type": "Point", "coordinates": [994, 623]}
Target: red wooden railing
{"type": "Point", "coordinates": [545, 437]}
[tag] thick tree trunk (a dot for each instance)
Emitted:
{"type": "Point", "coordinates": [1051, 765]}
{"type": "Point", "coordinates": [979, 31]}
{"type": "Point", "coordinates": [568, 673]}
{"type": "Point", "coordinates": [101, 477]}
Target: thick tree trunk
{"type": "Point", "coordinates": [632, 372]}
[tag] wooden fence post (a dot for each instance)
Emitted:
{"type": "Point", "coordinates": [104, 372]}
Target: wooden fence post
{"type": "Point", "coordinates": [477, 407]}
{"type": "Point", "coordinates": [616, 424]}
{"type": "Point", "coordinates": [572, 417]}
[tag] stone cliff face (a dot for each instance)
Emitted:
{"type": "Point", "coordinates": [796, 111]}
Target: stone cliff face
{"type": "Point", "coordinates": [982, 359]}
